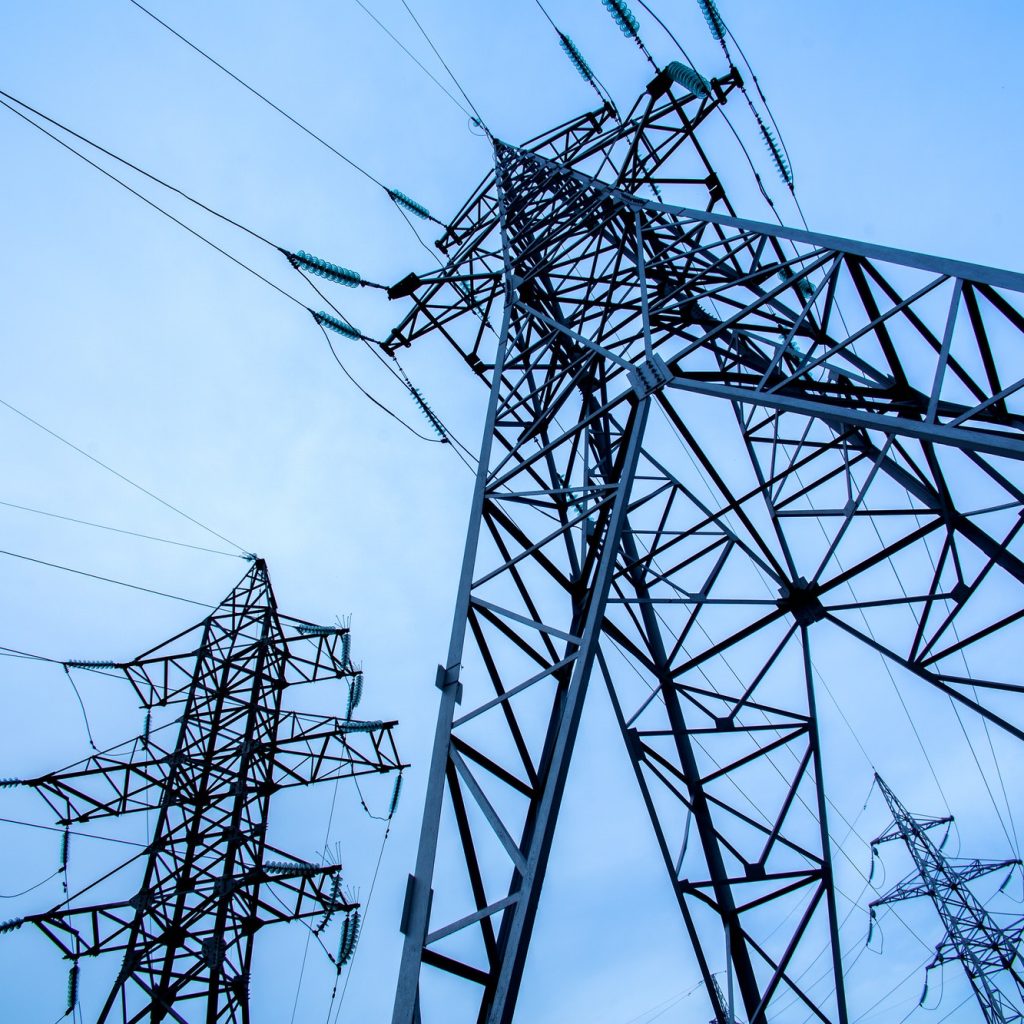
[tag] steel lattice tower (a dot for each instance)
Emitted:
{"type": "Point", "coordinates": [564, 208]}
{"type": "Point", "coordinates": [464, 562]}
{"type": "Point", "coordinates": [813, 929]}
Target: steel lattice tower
{"type": "Point", "coordinates": [989, 952]}
{"type": "Point", "coordinates": [210, 880]}
{"type": "Point", "coordinates": [702, 432]}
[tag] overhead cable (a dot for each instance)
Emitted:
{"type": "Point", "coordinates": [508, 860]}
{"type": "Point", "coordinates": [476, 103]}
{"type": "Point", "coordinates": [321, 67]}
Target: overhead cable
{"type": "Point", "coordinates": [578, 61]}
{"type": "Point", "coordinates": [121, 476]}
{"type": "Point", "coordinates": [105, 579]}
{"type": "Point", "coordinates": [413, 58]}
{"type": "Point", "coordinates": [270, 103]}
{"type": "Point", "coordinates": [444, 63]}
{"type": "Point", "coordinates": [116, 529]}
{"type": "Point", "coordinates": [300, 261]}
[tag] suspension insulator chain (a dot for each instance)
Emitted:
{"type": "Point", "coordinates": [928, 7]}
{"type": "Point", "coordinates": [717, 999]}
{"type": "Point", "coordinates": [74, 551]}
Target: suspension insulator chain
{"type": "Point", "coordinates": [321, 268]}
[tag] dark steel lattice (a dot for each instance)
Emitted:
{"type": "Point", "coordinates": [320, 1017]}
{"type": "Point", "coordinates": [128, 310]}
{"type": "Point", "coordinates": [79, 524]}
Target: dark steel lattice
{"type": "Point", "coordinates": [713, 447]}
{"type": "Point", "coordinates": [988, 951]}
{"type": "Point", "coordinates": [210, 880]}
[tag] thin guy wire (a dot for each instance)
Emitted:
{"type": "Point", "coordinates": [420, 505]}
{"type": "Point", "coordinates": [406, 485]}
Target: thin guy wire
{"type": "Point", "coordinates": [309, 934]}
{"type": "Point", "coordinates": [771, 761]}
{"type": "Point", "coordinates": [1014, 842]}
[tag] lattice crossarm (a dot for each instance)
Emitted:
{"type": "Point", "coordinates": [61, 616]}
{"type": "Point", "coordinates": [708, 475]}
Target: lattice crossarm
{"type": "Point", "coordinates": [314, 653]}
{"type": "Point", "coordinates": [87, 930]}
{"type": "Point", "coordinates": [303, 891]}
{"type": "Point", "coordinates": [910, 888]}
{"type": "Point", "coordinates": [107, 784]}
{"type": "Point", "coordinates": [313, 748]}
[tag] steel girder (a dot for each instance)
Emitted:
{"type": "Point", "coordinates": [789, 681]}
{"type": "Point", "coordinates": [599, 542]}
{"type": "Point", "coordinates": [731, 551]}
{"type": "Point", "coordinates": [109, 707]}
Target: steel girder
{"type": "Point", "coordinates": [210, 880]}
{"type": "Point", "coordinates": [712, 448]}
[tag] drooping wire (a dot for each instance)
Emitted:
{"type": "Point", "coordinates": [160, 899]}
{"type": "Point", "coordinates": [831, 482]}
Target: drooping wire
{"type": "Point", "coordinates": [444, 434]}
{"type": "Point", "coordinates": [298, 124]}
{"type": "Point", "coordinates": [85, 718]}
{"type": "Point", "coordinates": [121, 476]}
{"type": "Point", "coordinates": [366, 394]}
{"type": "Point", "coordinates": [15, 895]}
{"type": "Point", "coordinates": [294, 260]}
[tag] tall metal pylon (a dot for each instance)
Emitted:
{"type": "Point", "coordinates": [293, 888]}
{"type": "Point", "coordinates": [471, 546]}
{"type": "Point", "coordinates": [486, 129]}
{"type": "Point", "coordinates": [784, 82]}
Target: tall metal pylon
{"type": "Point", "coordinates": [703, 433]}
{"type": "Point", "coordinates": [210, 879]}
{"type": "Point", "coordinates": [988, 951]}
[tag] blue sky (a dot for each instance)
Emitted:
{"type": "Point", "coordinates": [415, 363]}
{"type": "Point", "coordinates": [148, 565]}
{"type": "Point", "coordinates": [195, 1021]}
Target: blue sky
{"type": "Point", "coordinates": [151, 351]}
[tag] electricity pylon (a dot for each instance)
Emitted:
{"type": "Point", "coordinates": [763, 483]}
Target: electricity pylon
{"type": "Point", "coordinates": [988, 951]}
{"type": "Point", "coordinates": [702, 434]}
{"type": "Point", "coordinates": [210, 879]}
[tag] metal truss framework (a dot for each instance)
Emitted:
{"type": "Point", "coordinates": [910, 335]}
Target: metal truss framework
{"type": "Point", "coordinates": [988, 951]}
{"type": "Point", "coordinates": [712, 447]}
{"type": "Point", "coordinates": [210, 880]}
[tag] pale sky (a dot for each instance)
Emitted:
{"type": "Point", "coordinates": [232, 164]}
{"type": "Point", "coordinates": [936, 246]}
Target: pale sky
{"type": "Point", "coordinates": [157, 355]}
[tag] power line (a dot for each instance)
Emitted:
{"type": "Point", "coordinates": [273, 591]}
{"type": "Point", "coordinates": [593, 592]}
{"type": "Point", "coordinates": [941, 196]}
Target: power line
{"type": "Point", "coordinates": [105, 579]}
{"type": "Point", "coordinates": [120, 476]}
{"type": "Point", "coordinates": [414, 58]}
{"type": "Point", "coordinates": [116, 529]}
{"type": "Point", "coordinates": [578, 61]}
{"type": "Point", "coordinates": [203, 238]}
{"type": "Point", "coordinates": [444, 63]}
{"type": "Point", "coordinates": [296, 261]}
{"type": "Point", "coordinates": [259, 95]}
{"type": "Point", "coordinates": [135, 167]}
{"type": "Point", "coordinates": [155, 206]}
{"type": "Point", "coordinates": [84, 835]}
{"type": "Point", "coordinates": [395, 196]}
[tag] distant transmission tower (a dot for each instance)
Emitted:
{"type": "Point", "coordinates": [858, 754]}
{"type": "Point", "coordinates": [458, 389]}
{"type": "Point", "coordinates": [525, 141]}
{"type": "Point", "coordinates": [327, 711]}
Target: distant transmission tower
{"type": "Point", "coordinates": [988, 952]}
{"type": "Point", "coordinates": [704, 435]}
{"type": "Point", "coordinates": [210, 879]}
